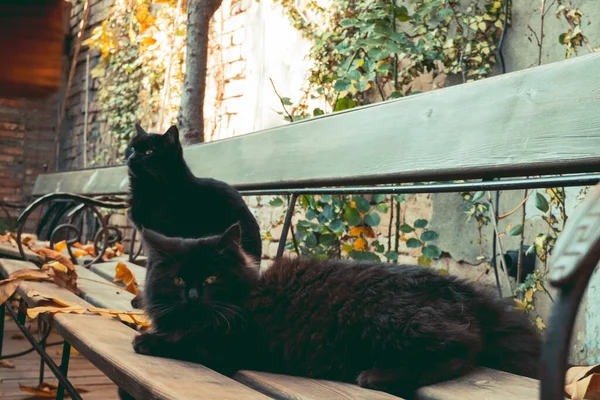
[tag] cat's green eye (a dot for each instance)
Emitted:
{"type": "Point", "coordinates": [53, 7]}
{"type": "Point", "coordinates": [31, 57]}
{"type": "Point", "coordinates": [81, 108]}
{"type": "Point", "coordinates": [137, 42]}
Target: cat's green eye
{"type": "Point", "coordinates": [210, 279]}
{"type": "Point", "coordinates": [179, 281]}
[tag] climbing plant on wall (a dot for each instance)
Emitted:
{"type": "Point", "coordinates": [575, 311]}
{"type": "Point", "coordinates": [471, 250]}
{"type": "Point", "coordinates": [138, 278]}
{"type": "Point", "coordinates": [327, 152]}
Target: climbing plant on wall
{"type": "Point", "coordinates": [140, 68]}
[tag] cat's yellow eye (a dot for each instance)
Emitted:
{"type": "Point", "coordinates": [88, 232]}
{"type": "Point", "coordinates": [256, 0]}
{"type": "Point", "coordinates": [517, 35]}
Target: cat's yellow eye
{"type": "Point", "coordinates": [179, 281]}
{"type": "Point", "coordinates": [210, 279]}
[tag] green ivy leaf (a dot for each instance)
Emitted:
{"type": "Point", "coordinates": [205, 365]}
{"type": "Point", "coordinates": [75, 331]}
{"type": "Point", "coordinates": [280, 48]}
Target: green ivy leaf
{"type": "Point", "coordinates": [342, 85]}
{"type": "Point", "coordinates": [541, 203]}
{"type": "Point", "coordinates": [345, 103]}
{"type": "Point", "coordinates": [276, 202]}
{"type": "Point", "coordinates": [317, 111]}
{"type": "Point", "coordinates": [362, 204]}
{"type": "Point", "coordinates": [372, 219]}
{"type": "Point", "coordinates": [327, 212]}
{"type": "Point", "coordinates": [311, 214]}
{"type": "Point", "coordinates": [327, 239]}
{"type": "Point", "coordinates": [432, 252]}
{"type": "Point", "coordinates": [326, 198]}
{"type": "Point", "coordinates": [337, 226]}
{"type": "Point", "coordinates": [379, 198]}
{"type": "Point", "coordinates": [429, 236]}
{"type": "Point", "coordinates": [382, 208]}
{"type": "Point", "coordinates": [420, 223]}
{"type": "Point", "coordinates": [516, 230]}
{"type": "Point", "coordinates": [351, 216]}
{"type": "Point", "coordinates": [390, 255]}
{"type": "Point", "coordinates": [406, 228]}
{"type": "Point", "coordinates": [477, 196]}
{"type": "Point", "coordinates": [413, 243]}
{"type": "Point", "coordinates": [348, 22]}
{"type": "Point", "coordinates": [310, 241]}
{"type": "Point", "coordinates": [286, 101]}
{"type": "Point", "coordinates": [364, 256]}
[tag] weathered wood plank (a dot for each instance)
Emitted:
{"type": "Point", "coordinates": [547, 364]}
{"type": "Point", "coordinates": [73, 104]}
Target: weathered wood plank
{"type": "Point", "coordinates": [6, 249]}
{"type": "Point", "coordinates": [106, 343]}
{"type": "Point", "coordinates": [285, 387]}
{"type": "Point", "coordinates": [514, 124]}
{"type": "Point", "coordinates": [483, 383]}
{"type": "Point", "coordinates": [107, 270]}
{"type": "Point", "coordinates": [102, 292]}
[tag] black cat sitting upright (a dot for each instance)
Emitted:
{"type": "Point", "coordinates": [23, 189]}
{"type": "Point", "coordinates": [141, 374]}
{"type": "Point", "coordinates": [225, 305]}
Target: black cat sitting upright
{"type": "Point", "coordinates": [166, 197]}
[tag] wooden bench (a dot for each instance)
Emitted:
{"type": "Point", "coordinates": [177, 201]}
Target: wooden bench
{"type": "Point", "coordinates": [505, 127]}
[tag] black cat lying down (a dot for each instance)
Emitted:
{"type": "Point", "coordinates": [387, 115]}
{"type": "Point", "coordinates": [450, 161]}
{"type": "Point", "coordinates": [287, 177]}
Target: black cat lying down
{"type": "Point", "coordinates": [388, 327]}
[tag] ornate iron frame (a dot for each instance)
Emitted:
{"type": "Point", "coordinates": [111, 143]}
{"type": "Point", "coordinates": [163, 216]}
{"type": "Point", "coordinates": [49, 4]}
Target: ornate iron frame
{"type": "Point", "coordinates": [570, 275]}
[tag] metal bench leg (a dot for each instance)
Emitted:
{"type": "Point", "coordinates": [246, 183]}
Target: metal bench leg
{"type": "Point", "coordinates": [64, 367]}
{"type": "Point", "coordinates": [43, 345]}
{"type": "Point", "coordinates": [56, 370]}
{"type": "Point", "coordinates": [287, 222]}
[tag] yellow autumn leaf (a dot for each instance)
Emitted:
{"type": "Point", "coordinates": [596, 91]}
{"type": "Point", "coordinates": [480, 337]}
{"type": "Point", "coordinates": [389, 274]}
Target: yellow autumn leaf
{"type": "Point", "coordinates": [520, 304]}
{"type": "Point", "coordinates": [60, 246]}
{"type": "Point", "coordinates": [359, 244]}
{"type": "Point", "coordinates": [539, 322]}
{"type": "Point", "coordinates": [55, 265]}
{"type": "Point", "coordinates": [539, 287]}
{"type": "Point", "coordinates": [529, 295]}
{"type": "Point", "coordinates": [35, 311]}
{"type": "Point", "coordinates": [123, 274]}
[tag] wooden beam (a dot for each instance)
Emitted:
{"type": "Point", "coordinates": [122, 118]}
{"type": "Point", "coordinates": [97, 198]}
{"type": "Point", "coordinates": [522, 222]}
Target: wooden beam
{"type": "Point", "coordinates": [537, 121]}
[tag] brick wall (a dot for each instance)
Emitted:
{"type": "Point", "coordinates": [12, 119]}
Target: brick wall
{"type": "Point", "coordinates": [26, 148]}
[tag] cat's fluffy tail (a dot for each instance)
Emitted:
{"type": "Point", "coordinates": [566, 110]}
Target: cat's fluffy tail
{"type": "Point", "coordinates": [512, 344]}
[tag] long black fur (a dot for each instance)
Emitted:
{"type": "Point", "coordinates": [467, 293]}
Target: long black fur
{"type": "Point", "coordinates": [384, 326]}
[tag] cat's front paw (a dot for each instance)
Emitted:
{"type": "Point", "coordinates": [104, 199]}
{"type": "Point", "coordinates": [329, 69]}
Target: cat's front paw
{"type": "Point", "coordinates": [144, 344]}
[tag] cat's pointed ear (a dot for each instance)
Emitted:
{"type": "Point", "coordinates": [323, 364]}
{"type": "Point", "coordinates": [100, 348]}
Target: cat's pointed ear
{"type": "Point", "coordinates": [232, 237]}
{"type": "Point", "coordinates": [173, 134]}
{"type": "Point", "coordinates": [139, 131]}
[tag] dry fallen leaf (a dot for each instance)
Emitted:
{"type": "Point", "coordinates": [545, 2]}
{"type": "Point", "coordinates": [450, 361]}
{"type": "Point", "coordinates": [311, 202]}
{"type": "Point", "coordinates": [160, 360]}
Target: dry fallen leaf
{"type": "Point", "coordinates": [47, 390]}
{"type": "Point", "coordinates": [63, 279]}
{"type": "Point", "coordinates": [357, 230]}
{"type": "Point", "coordinates": [9, 285]}
{"type": "Point", "coordinates": [60, 246]}
{"type": "Point", "coordinates": [6, 364]}
{"type": "Point", "coordinates": [124, 274]}
{"type": "Point", "coordinates": [28, 239]}
{"type": "Point", "coordinates": [4, 238]}
{"type": "Point", "coordinates": [583, 383]}
{"type": "Point", "coordinates": [108, 254]}
{"type": "Point", "coordinates": [79, 253]}
{"type": "Point", "coordinates": [119, 249]}
{"type": "Point", "coordinates": [88, 248]}
{"type": "Point", "coordinates": [35, 311]}
{"type": "Point", "coordinates": [53, 255]}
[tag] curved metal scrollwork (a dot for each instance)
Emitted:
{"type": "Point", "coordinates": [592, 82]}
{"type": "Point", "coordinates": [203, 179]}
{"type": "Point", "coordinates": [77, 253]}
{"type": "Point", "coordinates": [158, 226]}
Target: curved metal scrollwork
{"type": "Point", "coordinates": [573, 261]}
{"type": "Point", "coordinates": [105, 237]}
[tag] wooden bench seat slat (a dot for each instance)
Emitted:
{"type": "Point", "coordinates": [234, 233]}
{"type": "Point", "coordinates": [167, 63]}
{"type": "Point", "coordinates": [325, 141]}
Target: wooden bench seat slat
{"type": "Point", "coordinates": [101, 292]}
{"type": "Point", "coordinates": [286, 387]}
{"type": "Point", "coordinates": [483, 383]}
{"type": "Point", "coordinates": [106, 343]}
{"type": "Point", "coordinates": [107, 270]}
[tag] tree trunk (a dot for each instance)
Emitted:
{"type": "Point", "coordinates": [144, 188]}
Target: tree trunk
{"type": "Point", "coordinates": [191, 111]}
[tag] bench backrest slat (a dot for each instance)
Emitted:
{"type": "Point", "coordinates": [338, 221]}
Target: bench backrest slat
{"type": "Point", "coordinates": [537, 121]}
